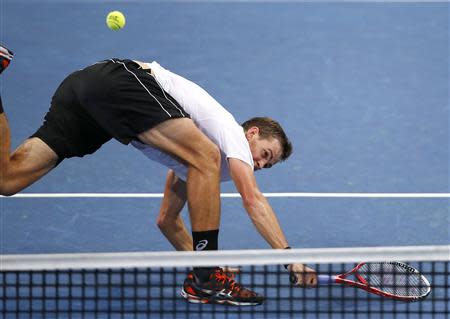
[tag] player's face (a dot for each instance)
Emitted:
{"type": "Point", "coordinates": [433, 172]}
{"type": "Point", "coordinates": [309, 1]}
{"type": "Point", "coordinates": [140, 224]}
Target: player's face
{"type": "Point", "coordinates": [265, 152]}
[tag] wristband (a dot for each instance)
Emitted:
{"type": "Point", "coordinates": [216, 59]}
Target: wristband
{"type": "Point", "coordinates": [287, 265]}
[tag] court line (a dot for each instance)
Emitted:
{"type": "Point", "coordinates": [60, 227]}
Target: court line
{"type": "Point", "coordinates": [234, 195]}
{"type": "Point", "coordinates": [243, 1]}
{"type": "Point", "coordinates": [303, 1]}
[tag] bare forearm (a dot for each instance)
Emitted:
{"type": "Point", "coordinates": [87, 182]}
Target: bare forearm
{"type": "Point", "coordinates": [266, 222]}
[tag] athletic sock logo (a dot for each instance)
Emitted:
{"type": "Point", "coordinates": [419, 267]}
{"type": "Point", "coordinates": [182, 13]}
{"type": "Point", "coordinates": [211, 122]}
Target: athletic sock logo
{"type": "Point", "coordinates": [201, 244]}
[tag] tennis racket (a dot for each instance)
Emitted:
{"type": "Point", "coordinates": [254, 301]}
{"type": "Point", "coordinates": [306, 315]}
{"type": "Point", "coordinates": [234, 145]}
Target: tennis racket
{"type": "Point", "coordinates": [394, 280]}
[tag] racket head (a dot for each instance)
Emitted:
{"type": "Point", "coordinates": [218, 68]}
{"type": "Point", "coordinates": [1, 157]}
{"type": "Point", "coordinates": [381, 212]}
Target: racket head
{"type": "Point", "coordinates": [389, 279]}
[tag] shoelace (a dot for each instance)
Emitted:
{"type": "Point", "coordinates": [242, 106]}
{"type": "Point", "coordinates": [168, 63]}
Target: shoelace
{"type": "Point", "coordinates": [227, 281]}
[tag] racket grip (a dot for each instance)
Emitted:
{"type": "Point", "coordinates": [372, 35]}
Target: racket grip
{"type": "Point", "coordinates": [321, 279]}
{"type": "Point", "coordinates": [325, 279]}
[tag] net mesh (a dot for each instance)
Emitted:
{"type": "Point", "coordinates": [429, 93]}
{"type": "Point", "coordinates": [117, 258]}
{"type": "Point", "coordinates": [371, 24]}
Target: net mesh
{"type": "Point", "coordinates": [83, 286]}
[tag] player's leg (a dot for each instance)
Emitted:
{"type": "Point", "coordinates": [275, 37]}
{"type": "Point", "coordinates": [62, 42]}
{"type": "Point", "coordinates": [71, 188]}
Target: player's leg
{"type": "Point", "coordinates": [181, 138]}
{"type": "Point", "coordinates": [67, 131]}
{"type": "Point", "coordinates": [170, 221]}
{"type": "Point", "coordinates": [30, 161]}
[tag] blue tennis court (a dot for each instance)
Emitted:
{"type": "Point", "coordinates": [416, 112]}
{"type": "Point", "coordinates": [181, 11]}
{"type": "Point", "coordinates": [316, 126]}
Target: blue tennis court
{"type": "Point", "coordinates": [361, 88]}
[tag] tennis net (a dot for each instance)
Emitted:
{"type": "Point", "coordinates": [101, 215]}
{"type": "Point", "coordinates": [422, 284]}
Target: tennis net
{"type": "Point", "coordinates": [148, 285]}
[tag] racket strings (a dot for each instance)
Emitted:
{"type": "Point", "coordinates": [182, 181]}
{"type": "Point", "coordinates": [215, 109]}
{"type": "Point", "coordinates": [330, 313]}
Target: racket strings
{"type": "Point", "coordinates": [395, 278]}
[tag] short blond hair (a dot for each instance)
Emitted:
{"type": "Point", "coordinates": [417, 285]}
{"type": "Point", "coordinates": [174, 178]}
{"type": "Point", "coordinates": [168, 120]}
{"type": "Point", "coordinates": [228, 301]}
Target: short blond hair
{"type": "Point", "coordinates": [269, 128]}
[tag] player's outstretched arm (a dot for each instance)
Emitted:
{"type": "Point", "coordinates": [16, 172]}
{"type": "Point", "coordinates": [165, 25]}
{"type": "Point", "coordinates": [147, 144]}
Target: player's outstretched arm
{"type": "Point", "coordinates": [264, 218]}
{"type": "Point", "coordinates": [170, 221]}
{"type": "Point", "coordinates": [256, 205]}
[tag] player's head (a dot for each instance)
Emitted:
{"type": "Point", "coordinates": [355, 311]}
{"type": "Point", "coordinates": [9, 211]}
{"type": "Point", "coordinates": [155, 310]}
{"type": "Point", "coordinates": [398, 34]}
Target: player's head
{"type": "Point", "coordinates": [268, 141]}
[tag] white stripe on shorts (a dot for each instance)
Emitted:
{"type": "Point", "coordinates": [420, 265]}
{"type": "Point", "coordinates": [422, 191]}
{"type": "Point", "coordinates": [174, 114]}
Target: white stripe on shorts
{"type": "Point", "coordinates": [164, 92]}
{"type": "Point", "coordinates": [143, 86]}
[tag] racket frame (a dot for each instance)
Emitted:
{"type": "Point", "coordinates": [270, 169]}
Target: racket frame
{"type": "Point", "coordinates": [364, 285]}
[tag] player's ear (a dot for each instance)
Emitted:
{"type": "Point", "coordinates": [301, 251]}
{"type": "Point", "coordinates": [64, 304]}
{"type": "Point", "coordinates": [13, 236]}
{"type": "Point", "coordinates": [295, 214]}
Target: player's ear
{"type": "Point", "coordinates": [252, 132]}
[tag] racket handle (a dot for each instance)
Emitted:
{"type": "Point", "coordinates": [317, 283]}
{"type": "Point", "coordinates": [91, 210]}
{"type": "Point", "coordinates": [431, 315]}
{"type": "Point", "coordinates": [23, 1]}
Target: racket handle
{"type": "Point", "coordinates": [321, 279]}
{"type": "Point", "coordinates": [325, 279]}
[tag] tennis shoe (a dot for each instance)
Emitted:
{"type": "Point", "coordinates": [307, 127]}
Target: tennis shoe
{"type": "Point", "coordinates": [5, 58]}
{"type": "Point", "coordinates": [221, 288]}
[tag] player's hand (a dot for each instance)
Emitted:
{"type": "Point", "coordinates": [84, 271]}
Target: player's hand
{"type": "Point", "coordinates": [302, 275]}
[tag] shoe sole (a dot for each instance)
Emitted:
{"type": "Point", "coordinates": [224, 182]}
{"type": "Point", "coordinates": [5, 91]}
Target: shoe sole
{"type": "Point", "coordinates": [198, 300]}
{"type": "Point", "coordinates": [6, 53]}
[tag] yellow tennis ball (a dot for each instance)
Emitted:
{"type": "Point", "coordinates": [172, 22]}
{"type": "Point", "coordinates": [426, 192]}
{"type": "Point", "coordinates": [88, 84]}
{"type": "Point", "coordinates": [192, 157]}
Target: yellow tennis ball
{"type": "Point", "coordinates": [115, 20]}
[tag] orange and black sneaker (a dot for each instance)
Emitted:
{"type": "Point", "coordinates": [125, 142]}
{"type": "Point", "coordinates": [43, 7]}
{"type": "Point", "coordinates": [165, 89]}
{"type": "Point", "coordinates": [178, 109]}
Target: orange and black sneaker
{"type": "Point", "coordinates": [5, 58]}
{"type": "Point", "coordinates": [221, 289]}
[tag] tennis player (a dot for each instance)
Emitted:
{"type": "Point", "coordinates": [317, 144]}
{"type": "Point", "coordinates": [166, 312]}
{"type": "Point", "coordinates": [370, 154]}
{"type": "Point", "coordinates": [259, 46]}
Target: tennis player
{"type": "Point", "coordinates": [173, 121]}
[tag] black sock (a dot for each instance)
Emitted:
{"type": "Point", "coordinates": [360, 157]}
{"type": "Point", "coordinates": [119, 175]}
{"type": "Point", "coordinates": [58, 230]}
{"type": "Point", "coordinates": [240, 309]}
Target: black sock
{"type": "Point", "coordinates": [205, 240]}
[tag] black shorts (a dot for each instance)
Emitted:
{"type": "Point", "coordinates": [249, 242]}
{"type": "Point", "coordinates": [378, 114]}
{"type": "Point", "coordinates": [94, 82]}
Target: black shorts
{"type": "Point", "coordinates": [110, 99]}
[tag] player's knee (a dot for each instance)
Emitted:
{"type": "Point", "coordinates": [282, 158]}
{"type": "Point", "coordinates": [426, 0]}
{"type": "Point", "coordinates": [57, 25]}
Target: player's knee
{"type": "Point", "coordinates": [9, 185]}
{"type": "Point", "coordinates": [215, 156]}
{"type": "Point", "coordinates": [166, 224]}
{"type": "Point", "coordinates": [6, 189]}
{"type": "Point", "coordinates": [210, 159]}
{"type": "Point", "coordinates": [161, 222]}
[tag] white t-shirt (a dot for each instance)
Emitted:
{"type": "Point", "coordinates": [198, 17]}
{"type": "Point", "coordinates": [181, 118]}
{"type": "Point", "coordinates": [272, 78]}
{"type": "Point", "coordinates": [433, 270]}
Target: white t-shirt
{"type": "Point", "coordinates": [208, 115]}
